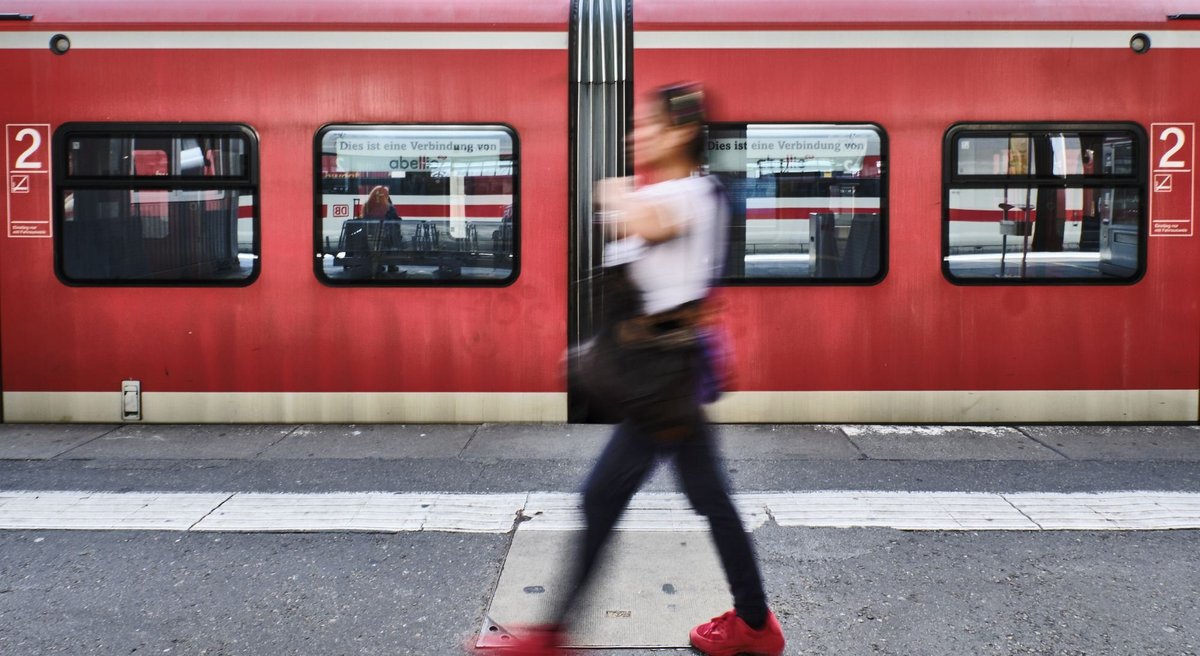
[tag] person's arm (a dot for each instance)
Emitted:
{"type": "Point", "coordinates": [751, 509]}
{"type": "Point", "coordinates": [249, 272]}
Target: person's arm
{"type": "Point", "coordinates": [631, 214]}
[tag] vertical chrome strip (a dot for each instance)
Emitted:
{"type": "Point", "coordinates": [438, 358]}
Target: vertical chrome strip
{"type": "Point", "coordinates": [601, 78]}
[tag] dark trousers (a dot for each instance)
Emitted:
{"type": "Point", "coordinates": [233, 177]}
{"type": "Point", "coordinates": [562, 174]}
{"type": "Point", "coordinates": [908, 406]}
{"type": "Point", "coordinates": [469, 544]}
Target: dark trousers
{"type": "Point", "coordinates": [626, 462]}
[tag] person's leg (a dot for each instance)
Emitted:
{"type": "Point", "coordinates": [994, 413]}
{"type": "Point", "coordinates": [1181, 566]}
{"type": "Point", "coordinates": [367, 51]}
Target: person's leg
{"type": "Point", "coordinates": [703, 480]}
{"type": "Point", "coordinates": [617, 475]}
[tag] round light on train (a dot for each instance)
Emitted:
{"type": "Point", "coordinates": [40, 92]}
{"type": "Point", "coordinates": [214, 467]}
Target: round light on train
{"type": "Point", "coordinates": [1139, 43]}
{"type": "Point", "coordinates": [60, 44]}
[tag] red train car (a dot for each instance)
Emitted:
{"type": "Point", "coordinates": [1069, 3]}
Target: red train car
{"type": "Point", "coordinates": [980, 105]}
{"type": "Point", "coordinates": [942, 212]}
{"type": "Point", "coordinates": [255, 333]}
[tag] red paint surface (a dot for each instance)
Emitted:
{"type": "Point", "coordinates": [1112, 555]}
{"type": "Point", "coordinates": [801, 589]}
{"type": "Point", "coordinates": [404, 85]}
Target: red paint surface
{"type": "Point", "coordinates": [296, 14]}
{"type": "Point", "coordinates": [915, 330]}
{"type": "Point", "coordinates": [287, 331]}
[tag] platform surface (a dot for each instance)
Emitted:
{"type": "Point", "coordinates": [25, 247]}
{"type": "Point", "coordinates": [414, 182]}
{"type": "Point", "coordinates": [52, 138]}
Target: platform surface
{"type": "Point", "coordinates": [652, 588]}
{"type": "Point", "coordinates": [405, 539]}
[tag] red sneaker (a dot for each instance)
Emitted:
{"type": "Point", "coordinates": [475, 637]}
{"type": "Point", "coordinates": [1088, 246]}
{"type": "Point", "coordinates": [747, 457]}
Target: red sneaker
{"type": "Point", "coordinates": [533, 641]}
{"type": "Point", "coordinates": [728, 635]}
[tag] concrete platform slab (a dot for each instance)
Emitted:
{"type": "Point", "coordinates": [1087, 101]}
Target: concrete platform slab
{"type": "Point", "coordinates": [45, 441]}
{"type": "Point", "coordinates": [386, 441]}
{"type": "Point", "coordinates": [1120, 442]}
{"type": "Point", "coordinates": [946, 443]}
{"type": "Point", "coordinates": [168, 441]}
{"type": "Point", "coordinates": [771, 442]}
{"type": "Point", "coordinates": [652, 589]}
{"type": "Point", "coordinates": [538, 441]}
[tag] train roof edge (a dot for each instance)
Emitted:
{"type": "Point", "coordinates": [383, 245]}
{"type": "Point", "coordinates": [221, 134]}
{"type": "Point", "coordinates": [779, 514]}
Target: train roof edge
{"type": "Point", "coordinates": [740, 14]}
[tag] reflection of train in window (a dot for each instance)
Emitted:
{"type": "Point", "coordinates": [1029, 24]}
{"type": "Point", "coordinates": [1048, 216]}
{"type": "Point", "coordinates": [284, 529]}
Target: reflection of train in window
{"type": "Point", "coordinates": [1038, 203]}
{"type": "Point", "coordinates": [450, 186]}
{"type": "Point", "coordinates": [807, 201]}
{"type": "Point", "coordinates": [209, 240]}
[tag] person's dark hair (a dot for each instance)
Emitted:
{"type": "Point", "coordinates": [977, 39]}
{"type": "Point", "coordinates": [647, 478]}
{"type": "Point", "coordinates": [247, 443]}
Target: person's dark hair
{"type": "Point", "coordinates": [684, 105]}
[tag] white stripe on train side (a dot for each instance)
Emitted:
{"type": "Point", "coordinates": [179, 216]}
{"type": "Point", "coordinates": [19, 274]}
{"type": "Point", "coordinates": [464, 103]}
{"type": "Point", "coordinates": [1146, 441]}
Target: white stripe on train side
{"type": "Point", "coordinates": [643, 39]}
{"type": "Point", "coordinates": [907, 39]}
{"type": "Point", "coordinates": [288, 40]}
{"type": "Point", "coordinates": [887, 406]}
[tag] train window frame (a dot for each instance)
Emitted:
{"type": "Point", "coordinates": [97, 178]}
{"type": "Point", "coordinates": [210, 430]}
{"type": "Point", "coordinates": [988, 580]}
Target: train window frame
{"type": "Point", "coordinates": [1138, 180]}
{"type": "Point", "coordinates": [62, 180]}
{"type": "Point", "coordinates": [726, 280]}
{"type": "Point", "coordinates": [317, 213]}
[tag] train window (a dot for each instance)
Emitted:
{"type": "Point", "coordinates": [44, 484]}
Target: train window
{"type": "Point", "coordinates": [152, 204]}
{"type": "Point", "coordinates": [416, 205]}
{"type": "Point", "coordinates": [808, 201]}
{"type": "Point", "coordinates": [1039, 203]}
{"type": "Point", "coordinates": [179, 155]}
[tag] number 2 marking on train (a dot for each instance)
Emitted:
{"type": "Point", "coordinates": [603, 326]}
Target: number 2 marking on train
{"type": "Point", "coordinates": [36, 137]}
{"type": "Point", "coordinates": [1165, 162]}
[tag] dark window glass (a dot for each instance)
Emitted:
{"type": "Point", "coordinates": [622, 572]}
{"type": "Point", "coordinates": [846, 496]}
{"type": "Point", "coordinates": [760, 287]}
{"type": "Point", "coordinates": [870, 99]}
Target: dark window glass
{"type": "Point", "coordinates": [146, 204]}
{"type": "Point", "coordinates": [126, 156]}
{"type": "Point", "coordinates": [417, 205]}
{"type": "Point", "coordinates": [1036, 204]}
{"type": "Point", "coordinates": [807, 201]}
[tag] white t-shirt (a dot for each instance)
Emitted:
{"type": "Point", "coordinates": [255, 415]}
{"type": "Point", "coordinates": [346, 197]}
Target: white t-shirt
{"type": "Point", "coordinates": [681, 269]}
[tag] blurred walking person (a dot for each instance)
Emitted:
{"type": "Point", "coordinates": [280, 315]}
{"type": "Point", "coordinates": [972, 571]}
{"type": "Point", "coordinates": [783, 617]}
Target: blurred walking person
{"type": "Point", "coordinates": [667, 242]}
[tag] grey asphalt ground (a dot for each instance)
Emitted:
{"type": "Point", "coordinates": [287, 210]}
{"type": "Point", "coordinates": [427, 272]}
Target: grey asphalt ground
{"type": "Point", "coordinates": [837, 591]}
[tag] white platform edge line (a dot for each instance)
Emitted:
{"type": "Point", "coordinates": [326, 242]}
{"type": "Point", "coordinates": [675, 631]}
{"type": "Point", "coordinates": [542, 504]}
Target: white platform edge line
{"type": "Point", "coordinates": [210, 512]}
{"type": "Point", "coordinates": [654, 511]}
